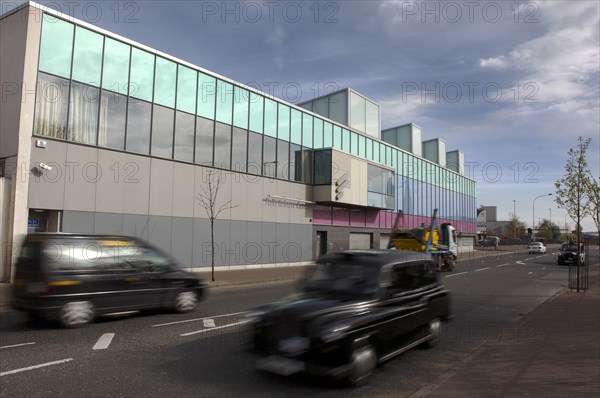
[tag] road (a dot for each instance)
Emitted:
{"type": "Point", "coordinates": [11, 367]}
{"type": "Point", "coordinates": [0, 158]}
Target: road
{"type": "Point", "coordinates": [203, 354]}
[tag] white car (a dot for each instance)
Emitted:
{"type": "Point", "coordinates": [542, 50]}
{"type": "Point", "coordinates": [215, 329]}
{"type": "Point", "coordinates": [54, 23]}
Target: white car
{"type": "Point", "coordinates": [536, 248]}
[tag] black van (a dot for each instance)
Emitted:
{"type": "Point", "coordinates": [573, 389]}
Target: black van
{"type": "Point", "coordinates": [72, 278]}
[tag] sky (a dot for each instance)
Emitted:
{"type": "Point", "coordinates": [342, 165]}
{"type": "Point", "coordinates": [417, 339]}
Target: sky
{"type": "Point", "coordinates": [512, 84]}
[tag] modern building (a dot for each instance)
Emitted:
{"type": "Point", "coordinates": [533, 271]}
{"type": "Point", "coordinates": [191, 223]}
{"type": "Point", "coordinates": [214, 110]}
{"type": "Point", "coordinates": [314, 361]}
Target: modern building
{"type": "Point", "coordinates": [100, 134]}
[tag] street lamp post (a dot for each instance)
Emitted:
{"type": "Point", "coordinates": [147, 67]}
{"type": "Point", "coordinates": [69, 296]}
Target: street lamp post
{"type": "Point", "coordinates": [514, 218]}
{"type": "Point", "coordinates": [533, 208]}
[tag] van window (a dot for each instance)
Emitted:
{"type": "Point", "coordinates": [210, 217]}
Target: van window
{"type": "Point", "coordinates": [89, 254]}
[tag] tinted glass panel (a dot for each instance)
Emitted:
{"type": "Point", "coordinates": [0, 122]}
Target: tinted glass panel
{"type": "Point", "coordinates": [115, 73]}
{"type": "Point", "coordinates": [295, 162]}
{"type": "Point", "coordinates": [372, 118]}
{"type": "Point", "coordinates": [357, 112]}
{"type": "Point", "coordinates": [337, 137]}
{"type": "Point", "coordinates": [256, 112]}
{"type": "Point", "coordinates": [83, 115]}
{"type": "Point", "coordinates": [51, 106]}
{"type": "Point", "coordinates": [283, 130]}
{"type": "Point", "coordinates": [113, 109]}
{"type": "Point", "coordinates": [361, 146]}
{"type": "Point", "coordinates": [369, 154]}
{"type": "Point", "coordinates": [138, 126]}
{"type": "Point", "coordinates": [162, 132]}
{"type": "Point", "coordinates": [204, 141]}
{"type": "Point", "coordinates": [270, 117]}
{"type": "Point", "coordinates": [241, 107]}
{"type": "Point", "coordinates": [224, 102]}
{"type": "Point", "coordinates": [165, 82]}
{"type": "Point", "coordinates": [318, 133]}
{"type": "Point", "coordinates": [141, 80]}
{"type": "Point", "coordinates": [222, 145]}
{"type": "Point", "coordinates": [57, 46]}
{"type": "Point", "coordinates": [238, 149]}
{"type": "Point", "coordinates": [283, 153]}
{"type": "Point", "coordinates": [345, 140]}
{"type": "Point", "coordinates": [269, 157]}
{"type": "Point", "coordinates": [184, 136]}
{"type": "Point", "coordinates": [254, 153]}
{"type": "Point", "coordinates": [307, 130]}
{"type": "Point", "coordinates": [354, 144]}
{"type": "Point", "coordinates": [207, 88]}
{"type": "Point", "coordinates": [296, 127]}
{"type": "Point", "coordinates": [186, 89]}
{"type": "Point", "coordinates": [87, 57]}
{"type": "Point", "coordinates": [322, 167]}
{"type": "Point", "coordinates": [327, 135]}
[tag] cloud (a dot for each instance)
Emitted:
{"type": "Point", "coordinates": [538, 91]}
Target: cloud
{"type": "Point", "coordinates": [277, 37]}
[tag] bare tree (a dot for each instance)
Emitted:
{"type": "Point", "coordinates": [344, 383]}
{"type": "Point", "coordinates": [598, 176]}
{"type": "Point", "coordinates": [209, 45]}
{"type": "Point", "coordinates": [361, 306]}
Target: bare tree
{"type": "Point", "coordinates": [592, 191]}
{"type": "Point", "coordinates": [207, 198]}
{"type": "Point", "coordinates": [515, 227]}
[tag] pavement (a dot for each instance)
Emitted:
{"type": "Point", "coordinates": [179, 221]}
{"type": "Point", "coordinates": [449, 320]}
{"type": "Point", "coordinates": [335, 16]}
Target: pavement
{"type": "Point", "coordinates": [554, 353]}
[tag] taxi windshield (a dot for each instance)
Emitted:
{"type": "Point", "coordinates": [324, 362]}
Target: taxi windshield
{"type": "Point", "coordinates": [343, 280]}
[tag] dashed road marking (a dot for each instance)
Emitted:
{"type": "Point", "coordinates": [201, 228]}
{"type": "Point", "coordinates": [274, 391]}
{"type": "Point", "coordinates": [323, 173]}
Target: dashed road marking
{"type": "Point", "coordinates": [215, 328]}
{"type": "Point", "coordinates": [502, 265]}
{"type": "Point", "coordinates": [104, 341]}
{"type": "Point", "coordinates": [35, 367]}
{"type": "Point", "coordinates": [209, 323]}
{"type": "Point", "coordinates": [460, 273]}
{"type": "Point", "coordinates": [520, 263]}
{"type": "Point", "coordinates": [482, 269]}
{"type": "Point", "coordinates": [198, 319]}
{"type": "Point", "coordinates": [16, 345]}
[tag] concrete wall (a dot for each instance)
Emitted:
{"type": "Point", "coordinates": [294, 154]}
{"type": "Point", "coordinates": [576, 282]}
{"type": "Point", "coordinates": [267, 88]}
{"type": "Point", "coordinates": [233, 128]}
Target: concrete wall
{"type": "Point", "coordinates": [19, 46]}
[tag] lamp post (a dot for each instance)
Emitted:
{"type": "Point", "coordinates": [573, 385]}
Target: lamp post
{"type": "Point", "coordinates": [550, 210]}
{"type": "Point", "coordinates": [514, 218]}
{"type": "Point", "coordinates": [533, 208]}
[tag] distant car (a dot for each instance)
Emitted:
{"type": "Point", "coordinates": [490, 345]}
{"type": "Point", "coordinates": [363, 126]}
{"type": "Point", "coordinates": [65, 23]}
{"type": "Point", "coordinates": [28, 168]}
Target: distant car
{"type": "Point", "coordinates": [72, 278]}
{"type": "Point", "coordinates": [489, 241]}
{"type": "Point", "coordinates": [568, 254]}
{"type": "Point", "coordinates": [536, 248]}
{"type": "Point", "coordinates": [356, 310]}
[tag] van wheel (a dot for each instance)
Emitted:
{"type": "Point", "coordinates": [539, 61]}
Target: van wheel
{"type": "Point", "coordinates": [434, 329]}
{"type": "Point", "coordinates": [186, 302]}
{"type": "Point", "coordinates": [76, 313]}
{"type": "Point", "coordinates": [362, 361]}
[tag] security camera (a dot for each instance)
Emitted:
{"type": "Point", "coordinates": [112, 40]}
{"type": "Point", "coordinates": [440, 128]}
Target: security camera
{"type": "Point", "coordinates": [45, 166]}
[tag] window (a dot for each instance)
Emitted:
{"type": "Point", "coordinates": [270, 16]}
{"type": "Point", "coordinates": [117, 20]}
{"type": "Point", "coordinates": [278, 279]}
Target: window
{"type": "Point", "coordinates": [283, 129]}
{"type": "Point", "coordinates": [142, 75]}
{"type": "Point", "coordinates": [51, 106]}
{"type": "Point", "coordinates": [186, 89]}
{"type": "Point", "coordinates": [327, 135]}
{"type": "Point", "coordinates": [345, 140]}
{"type": "Point", "coordinates": [162, 132]}
{"type": "Point", "coordinates": [138, 126]}
{"type": "Point", "coordinates": [354, 144]}
{"type": "Point", "coordinates": [337, 137]}
{"type": "Point", "coordinates": [307, 130]}
{"type": "Point", "coordinates": [165, 82]}
{"type": "Point", "coordinates": [357, 112]}
{"type": "Point", "coordinates": [87, 57]}
{"type": "Point", "coordinates": [241, 107]}
{"type": "Point", "coordinates": [255, 153]}
{"type": "Point", "coordinates": [184, 136]}
{"type": "Point", "coordinates": [238, 149]}
{"type": "Point", "coordinates": [322, 167]}
{"type": "Point", "coordinates": [295, 162]}
{"type": "Point", "coordinates": [318, 133]}
{"type": "Point", "coordinates": [283, 153]}
{"type": "Point", "coordinates": [361, 146]}
{"type": "Point", "coordinates": [115, 72]}
{"type": "Point", "coordinates": [296, 127]}
{"type": "Point", "coordinates": [256, 113]}
{"type": "Point", "coordinates": [204, 141]}
{"type": "Point", "coordinates": [207, 88]}
{"type": "Point", "coordinates": [224, 102]}
{"type": "Point", "coordinates": [222, 146]}
{"type": "Point", "coordinates": [83, 115]}
{"type": "Point", "coordinates": [113, 109]}
{"type": "Point", "coordinates": [269, 163]}
{"type": "Point", "coordinates": [270, 118]}
{"type": "Point", "coordinates": [56, 46]}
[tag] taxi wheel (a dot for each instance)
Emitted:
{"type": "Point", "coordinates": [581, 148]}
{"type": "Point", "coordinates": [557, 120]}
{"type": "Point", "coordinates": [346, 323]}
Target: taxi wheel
{"type": "Point", "coordinates": [76, 313]}
{"type": "Point", "coordinates": [186, 302]}
{"type": "Point", "coordinates": [435, 331]}
{"type": "Point", "coordinates": [362, 361]}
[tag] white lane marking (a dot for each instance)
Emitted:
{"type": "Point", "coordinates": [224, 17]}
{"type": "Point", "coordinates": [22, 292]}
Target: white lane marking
{"type": "Point", "coordinates": [198, 319]}
{"type": "Point", "coordinates": [104, 341]}
{"type": "Point", "coordinates": [209, 323]}
{"type": "Point", "coordinates": [530, 273]}
{"type": "Point", "coordinates": [211, 329]}
{"type": "Point", "coordinates": [35, 367]}
{"type": "Point", "coordinates": [16, 345]}
{"type": "Point", "coordinates": [520, 263]}
{"type": "Point", "coordinates": [482, 269]}
{"type": "Point", "coordinates": [460, 273]}
{"type": "Point", "coordinates": [530, 258]}
{"type": "Point", "coordinates": [502, 265]}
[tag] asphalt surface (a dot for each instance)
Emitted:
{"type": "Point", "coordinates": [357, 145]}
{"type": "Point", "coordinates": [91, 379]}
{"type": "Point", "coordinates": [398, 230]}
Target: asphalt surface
{"type": "Point", "coordinates": [553, 351]}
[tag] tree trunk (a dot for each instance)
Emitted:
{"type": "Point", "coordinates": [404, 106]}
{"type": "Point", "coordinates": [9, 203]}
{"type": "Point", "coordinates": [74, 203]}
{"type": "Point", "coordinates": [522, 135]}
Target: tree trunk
{"type": "Point", "coordinates": [212, 248]}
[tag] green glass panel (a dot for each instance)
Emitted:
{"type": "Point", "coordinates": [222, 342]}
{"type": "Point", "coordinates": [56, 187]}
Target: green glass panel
{"type": "Point", "coordinates": [186, 89]}
{"type": "Point", "coordinates": [241, 106]}
{"type": "Point", "coordinates": [376, 156]}
{"type": "Point", "coordinates": [346, 140]}
{"type": "Point", "coordinates": [87, 57]}
{"type": "Point", "coordinates": [361, 146]}
{"type": "Point", "coordinates": [141, 80]}
{"type": "Point", "coordinates": [224, 102]}
{"type": "Point", "coordinates": [318, 133]}
{"type": "Point", "coordinates": [283, 122]}
{"type": "Point", "coordinates": [327, 135]}
{"type": "Point", "coordinates": [337, 137]}
{"type": "Point", "coordinates": [354, 144]}
{"type": "Point", "coordinates": [369, 149]}
{"type": "Point", "coordinates": [270, 117]}
{"type": "Point", "coordinates": [256, 112]}
{"type": "Point", "coordinates": [165, 82]}
{"type": "Point", "coordinates": [207, 88]}
{"type": "Point", "coordinates": [296, 127]}
{"type": "Point", "coordinates": [57, 46]}
{"type": "Point", "coordinates": [307, 130]}
{"type": "Point", "coordinates": [115, 73]}
{"type": "Point", "coordinates": [388, 156]}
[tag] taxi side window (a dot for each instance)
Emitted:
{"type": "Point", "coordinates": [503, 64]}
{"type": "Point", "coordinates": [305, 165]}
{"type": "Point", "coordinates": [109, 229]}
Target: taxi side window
{"type": "Point", "coordinates": [149, 260]}
{"type": "Point", "coordinates": [411, 277]}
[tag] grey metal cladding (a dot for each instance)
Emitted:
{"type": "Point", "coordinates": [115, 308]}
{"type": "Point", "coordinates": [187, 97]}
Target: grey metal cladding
{"type": "Point", "coordinates": [201, 248]}
{"type": "Point", "coordinates": [135, 225]}
{"type": "Point", "coordinates": [78, 221]}
{"type": "Point", "coordinates": [159, 232]}
{"type": "Point", "coordinates": [182, 240]}
{"type": "Point", "coordinates": [108, 223]}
